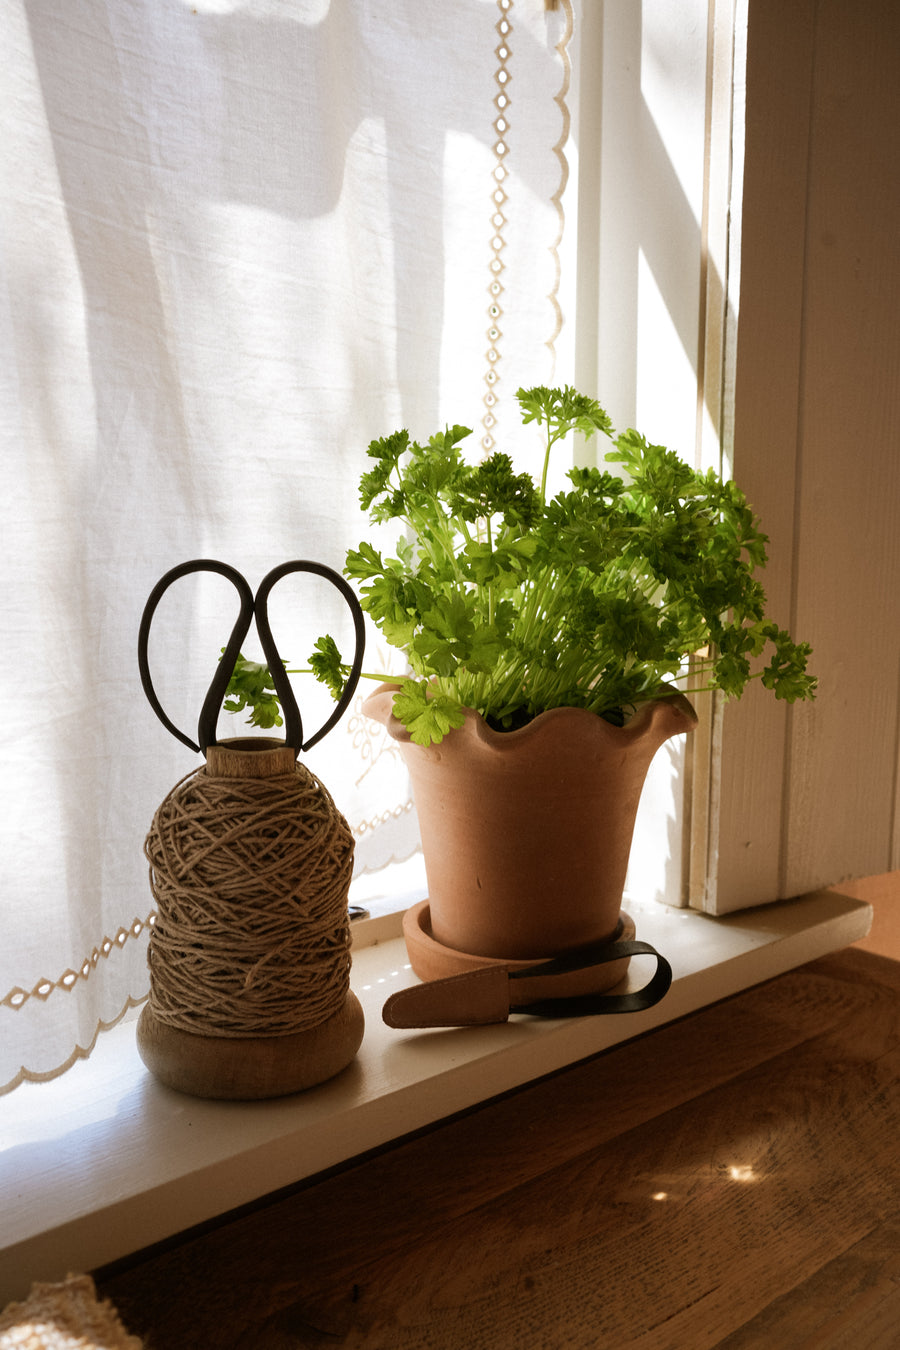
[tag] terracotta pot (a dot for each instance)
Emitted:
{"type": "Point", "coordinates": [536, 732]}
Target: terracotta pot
{"type": "Point", "coordinates": [526, 834]}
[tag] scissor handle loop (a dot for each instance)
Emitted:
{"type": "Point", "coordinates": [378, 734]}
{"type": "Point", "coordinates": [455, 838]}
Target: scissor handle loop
{"type": "Point", "coordinates": [293, 727]}
{"type": "Point", "coordinates": [216, 693]}
{"type": "Point", "coordinates": [212, 703]}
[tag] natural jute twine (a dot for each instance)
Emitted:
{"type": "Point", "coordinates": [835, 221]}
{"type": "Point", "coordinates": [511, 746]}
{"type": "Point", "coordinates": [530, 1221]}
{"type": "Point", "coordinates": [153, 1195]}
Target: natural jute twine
{"type": "Point", "coordinates": [64, 1316]}
{"type": "Point", "coordinates": [250, 877]}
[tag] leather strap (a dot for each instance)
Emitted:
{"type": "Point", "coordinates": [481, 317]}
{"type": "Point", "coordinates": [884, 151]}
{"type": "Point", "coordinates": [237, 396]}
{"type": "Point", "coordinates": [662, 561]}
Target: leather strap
{"type": "Point", "coordinates": [477, 998]}
{"type": "Point", "coordinates": [488, 995]}
{"type": "Point", "coordinates": [583, 1005]}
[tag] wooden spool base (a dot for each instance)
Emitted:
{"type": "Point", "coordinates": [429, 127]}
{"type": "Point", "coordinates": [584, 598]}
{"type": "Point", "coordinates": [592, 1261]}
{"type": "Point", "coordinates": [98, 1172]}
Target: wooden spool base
{"type": "Point", "coordinates": [250, 1068]}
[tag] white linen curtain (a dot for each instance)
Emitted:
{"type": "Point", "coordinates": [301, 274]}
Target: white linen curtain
{"type": "Point", "coordinates": [240, 239]}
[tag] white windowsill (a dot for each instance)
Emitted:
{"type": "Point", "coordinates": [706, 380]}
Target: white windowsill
{"type": "Point", "coordinates": [105, 1160]}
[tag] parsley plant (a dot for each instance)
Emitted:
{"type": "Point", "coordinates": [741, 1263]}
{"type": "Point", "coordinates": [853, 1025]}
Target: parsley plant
{"type": "Point", "coordinates": [509, 603]}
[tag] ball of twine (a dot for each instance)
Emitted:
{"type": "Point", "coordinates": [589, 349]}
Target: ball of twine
{"type": "Point", "coordinates": [250, 878]}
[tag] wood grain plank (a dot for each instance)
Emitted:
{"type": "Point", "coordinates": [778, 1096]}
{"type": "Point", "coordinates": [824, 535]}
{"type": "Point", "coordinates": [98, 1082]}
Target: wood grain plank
{"type": "Point", "coordinates": [758, 1196]}
{"type": "Point", "coordinates": [852, 1301]}
{"type": "Point", "coordinates": [491, 1229]}
{"type": "Point", "coordinates": [882, 892]}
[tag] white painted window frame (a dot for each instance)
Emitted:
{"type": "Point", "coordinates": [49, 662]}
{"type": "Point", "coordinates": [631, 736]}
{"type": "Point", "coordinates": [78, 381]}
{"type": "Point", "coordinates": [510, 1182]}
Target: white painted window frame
{"type": "Point", "coordinates": [620, 352]}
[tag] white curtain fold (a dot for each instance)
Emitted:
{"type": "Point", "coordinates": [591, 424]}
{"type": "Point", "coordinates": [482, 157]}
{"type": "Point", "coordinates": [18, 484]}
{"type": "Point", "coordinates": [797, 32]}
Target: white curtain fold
{"type": "Point", "coordinates": [240, 239]}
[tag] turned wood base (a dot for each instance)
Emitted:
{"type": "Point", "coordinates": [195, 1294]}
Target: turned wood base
{"type": "Point", "coordinates": [251, 1068]}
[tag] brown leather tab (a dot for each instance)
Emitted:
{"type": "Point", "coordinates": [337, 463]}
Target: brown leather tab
{"type": "Point", "coordinates": [476, 998]}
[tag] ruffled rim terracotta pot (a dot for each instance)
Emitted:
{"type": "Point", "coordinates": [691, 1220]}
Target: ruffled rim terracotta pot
{"type": "Point", "coordinates": [526, 834]}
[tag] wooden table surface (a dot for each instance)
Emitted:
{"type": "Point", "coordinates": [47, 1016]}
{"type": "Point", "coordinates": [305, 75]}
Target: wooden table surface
{"type": "Point", "coordinates": [730, 1181]}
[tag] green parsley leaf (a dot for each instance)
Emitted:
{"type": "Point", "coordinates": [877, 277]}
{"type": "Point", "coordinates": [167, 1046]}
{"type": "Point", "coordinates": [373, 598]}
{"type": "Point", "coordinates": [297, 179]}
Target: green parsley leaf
{"type": "Point", "coordinates": [251, 687]}
{"type": "Point", "coordinates": [426, 714]}
{"type": "Point", "coordinates": [328, 667]}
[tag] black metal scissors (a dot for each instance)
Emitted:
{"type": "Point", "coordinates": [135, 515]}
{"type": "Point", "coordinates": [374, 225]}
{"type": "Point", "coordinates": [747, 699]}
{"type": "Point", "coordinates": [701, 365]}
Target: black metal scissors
{"type": "Point", "coordinates": [250, 605]}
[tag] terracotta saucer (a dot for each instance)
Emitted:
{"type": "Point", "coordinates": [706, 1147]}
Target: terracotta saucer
{"type": "Point", "coordinates": [432, 961]}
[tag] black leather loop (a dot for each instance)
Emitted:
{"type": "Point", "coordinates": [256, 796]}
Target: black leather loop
{"type": "Point", "coordinates": [583, 1005]}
